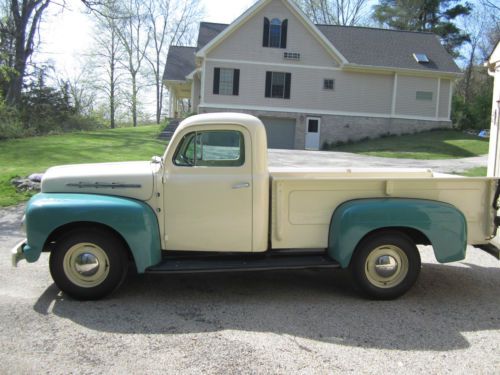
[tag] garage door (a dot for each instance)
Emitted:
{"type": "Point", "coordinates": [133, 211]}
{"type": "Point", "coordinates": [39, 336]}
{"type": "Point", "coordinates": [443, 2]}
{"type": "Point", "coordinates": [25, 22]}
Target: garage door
{"type": "Point", "coordinates": [280, 132]}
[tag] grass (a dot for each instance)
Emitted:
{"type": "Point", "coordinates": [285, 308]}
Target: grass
{"type": "Point", "coordinates": [437, 144]}
{"type": "Point", "coordinates": [474, 172]}
{"type": "Point", "coordinates": [21, 157]}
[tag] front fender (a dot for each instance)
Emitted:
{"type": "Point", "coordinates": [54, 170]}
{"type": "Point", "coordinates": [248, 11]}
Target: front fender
{"type": "Point", "coordinates": [134, 220]}
{"type": "Point", "coordinates": [443, 224]}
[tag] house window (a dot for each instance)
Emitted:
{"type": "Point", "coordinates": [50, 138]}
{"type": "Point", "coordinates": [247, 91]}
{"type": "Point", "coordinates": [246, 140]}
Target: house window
{"type": "Point", "coordinates": [278, 85]}
{"type": "Point", "coordinates": [275, 33]}
{"type": "Point", "coordinates": [424, 95]}
{"type": "Point", "coordinates": [226, 81]}
{"type": "Point", "coordinates": [219, 148]}
{"type": "Point", "coordinates": [329, 84]}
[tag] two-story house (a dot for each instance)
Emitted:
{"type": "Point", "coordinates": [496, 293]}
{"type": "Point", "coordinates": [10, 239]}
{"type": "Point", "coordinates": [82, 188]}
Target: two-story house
{"type": "Point", "coordinates": [311, 84]}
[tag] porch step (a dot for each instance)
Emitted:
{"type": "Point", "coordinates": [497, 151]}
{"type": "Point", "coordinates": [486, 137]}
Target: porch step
{"type": "Point", "coordinates": [169, 130]}
{"type": "Point", "coordinates": [237, 262]}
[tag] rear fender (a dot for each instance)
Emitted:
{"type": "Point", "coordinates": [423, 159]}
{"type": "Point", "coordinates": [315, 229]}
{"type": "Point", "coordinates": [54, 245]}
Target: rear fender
{"type": "Point", "coordinates": [443, 224]}
{"type": "Point", "coordinates": [133, 220]}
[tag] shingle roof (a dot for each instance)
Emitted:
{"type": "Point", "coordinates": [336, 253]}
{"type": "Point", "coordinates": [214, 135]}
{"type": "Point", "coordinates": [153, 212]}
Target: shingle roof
{"type": "Point", "coordinates": [359, 45]}
{"type": "Point", "coordinates": [208, 31]}
{"type": "Point", "coordinates": [389, 48]}
{"type": "Point", "coordinates": [180, 62]}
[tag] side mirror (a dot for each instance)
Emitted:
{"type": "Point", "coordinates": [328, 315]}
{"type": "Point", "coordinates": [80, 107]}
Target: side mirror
{"type": "Point", "coordinates": [157, 160]}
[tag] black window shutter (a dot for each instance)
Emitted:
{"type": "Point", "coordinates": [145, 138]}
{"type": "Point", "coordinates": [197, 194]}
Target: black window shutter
{"type": "Point", "coordinates": [236, 82]}
{"type": "Point", "coordinates": [216, 80]}
{"type": "Point", "coordinates": [265, 37]}
{"type": "Point", "coordinates": [288, 83]}
{"type": "Point", "coordinates": [284, 28]}
{"type": "Point", "coordinates": [269, 77]}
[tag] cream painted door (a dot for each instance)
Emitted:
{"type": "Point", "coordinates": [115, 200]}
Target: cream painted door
{"type": "Point", "coordinates": [208, 193]}
{"type": "Point", "coordinates": [312, 133]}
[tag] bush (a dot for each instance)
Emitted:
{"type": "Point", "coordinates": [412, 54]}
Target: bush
{"type": "Point", "coordinates": [10, 124]}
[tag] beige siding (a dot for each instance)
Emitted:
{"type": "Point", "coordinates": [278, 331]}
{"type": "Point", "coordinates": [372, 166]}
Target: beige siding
{"type": "Point", "coordinates": [444, 98]}
{"type": "Point", "coordinates": [406, 102]}
{"type": "Point", "coordinates": [354, 92]}
{"type": "Point", "coordinates": [246, 43]}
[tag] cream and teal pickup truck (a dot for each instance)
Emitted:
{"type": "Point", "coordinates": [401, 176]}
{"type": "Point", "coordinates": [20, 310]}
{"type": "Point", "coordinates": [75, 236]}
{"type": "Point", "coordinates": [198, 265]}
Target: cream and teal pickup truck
{"type": "Point", "coordinates": [212, 204]}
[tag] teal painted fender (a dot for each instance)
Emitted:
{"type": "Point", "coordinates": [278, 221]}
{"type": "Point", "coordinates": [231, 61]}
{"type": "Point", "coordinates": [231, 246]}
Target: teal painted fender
{"type": "Point", "coordinates": [134, 220]}
{"type": "Point", "coordinates": [443, 224]}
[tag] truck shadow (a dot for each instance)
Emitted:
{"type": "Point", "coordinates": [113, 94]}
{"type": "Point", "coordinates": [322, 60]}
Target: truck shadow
{"type": "Point", "coordinates": [446, 302]}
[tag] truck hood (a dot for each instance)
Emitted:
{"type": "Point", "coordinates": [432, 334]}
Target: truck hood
{"type": "Point", "coordinates": [129, 179]}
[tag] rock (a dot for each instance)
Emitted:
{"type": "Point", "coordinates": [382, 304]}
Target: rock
{"type": "Point", "coordinates": [35, 177]}
{"type": "Point", "coordinates": [26, 184]}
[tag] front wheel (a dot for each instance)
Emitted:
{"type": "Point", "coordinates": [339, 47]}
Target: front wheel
{"type": "Point", "coordinates": [385, 265]}
{"type": "Point", "coordinates": [88, 264]}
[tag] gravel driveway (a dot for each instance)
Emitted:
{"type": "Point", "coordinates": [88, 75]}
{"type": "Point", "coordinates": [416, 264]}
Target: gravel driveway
{"type": "Point", "coordinates": [272, 322]}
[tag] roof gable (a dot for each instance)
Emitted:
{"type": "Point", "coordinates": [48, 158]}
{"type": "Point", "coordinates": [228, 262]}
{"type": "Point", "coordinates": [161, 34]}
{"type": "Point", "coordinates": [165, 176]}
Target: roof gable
{"type": "Point", "coordinates": [254, 10]}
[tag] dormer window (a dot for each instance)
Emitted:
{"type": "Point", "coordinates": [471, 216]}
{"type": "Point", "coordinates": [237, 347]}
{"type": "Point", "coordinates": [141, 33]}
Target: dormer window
{"type": "Point", "coordinates": [275, 32]}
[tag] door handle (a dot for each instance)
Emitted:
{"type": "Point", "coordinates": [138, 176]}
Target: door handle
{"type": "Point", "coordinates": [241, 185]}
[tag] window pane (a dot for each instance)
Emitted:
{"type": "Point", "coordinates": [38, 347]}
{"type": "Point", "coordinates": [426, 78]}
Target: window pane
{"type": "Point", "coordinates": [424, 95]}
{"type": "Point", "coordinates": [312, 126]}
{"type": "Point", "coordinates": [278, 85]}
{"type": "Point", "coordinates": [226, 81]}
{"type": "Point", "coordinates": [220, 149]}
{"type": "Point", "coordinates": [184, 156]}
{"type": "Point", "coordinates": [275, 33]}
{"type": "Point", "coordinates": [328, 84]}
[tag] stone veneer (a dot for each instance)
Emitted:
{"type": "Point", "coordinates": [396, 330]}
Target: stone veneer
{"type": "Point", "coordinates": [338, 128]}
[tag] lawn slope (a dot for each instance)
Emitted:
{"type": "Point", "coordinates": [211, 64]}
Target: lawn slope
{"type": "Point", "coordinates": [21, 157]}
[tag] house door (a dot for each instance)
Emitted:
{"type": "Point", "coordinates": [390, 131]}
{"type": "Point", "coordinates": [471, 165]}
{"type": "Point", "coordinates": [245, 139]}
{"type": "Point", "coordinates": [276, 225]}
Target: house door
{"type": "Point", "coordinates": [312, 133]}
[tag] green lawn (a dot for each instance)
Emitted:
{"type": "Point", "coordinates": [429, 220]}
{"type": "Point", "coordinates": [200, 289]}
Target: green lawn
{"type": "Point", "coordinates": [21, 157]}
{"type": "Point", "coordinates": [439, 144]}
{"type": "Point", "coordinates": [474, 172]}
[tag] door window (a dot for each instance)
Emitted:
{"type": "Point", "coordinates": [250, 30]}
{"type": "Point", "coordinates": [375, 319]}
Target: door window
{"type": "Point", "coordinates": [218, 148]}
{"type": "Point", "coordinates": [312, 126]}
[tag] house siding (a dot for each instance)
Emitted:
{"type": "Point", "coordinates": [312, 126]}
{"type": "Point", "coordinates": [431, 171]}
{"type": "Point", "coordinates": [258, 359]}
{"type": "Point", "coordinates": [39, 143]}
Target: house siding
{"type": "Point", "coordinates": [406, 102]}
{"type": "Point", "coordinates": [354, 92]}
{"type": "Point", "coordinates": [246, 43]}
{"type": "Point", "coordinates": [444, 98]}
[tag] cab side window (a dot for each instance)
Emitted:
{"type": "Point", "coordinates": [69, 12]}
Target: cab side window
{"type": "Point", "coordinates": [212, 148]}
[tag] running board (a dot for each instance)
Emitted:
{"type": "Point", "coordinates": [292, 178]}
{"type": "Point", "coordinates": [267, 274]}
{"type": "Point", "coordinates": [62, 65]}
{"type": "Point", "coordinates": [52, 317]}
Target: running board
{"type": "Point", "coordinates": [490, 249]}
{"type": "Point", "coordinates": [247, 262]}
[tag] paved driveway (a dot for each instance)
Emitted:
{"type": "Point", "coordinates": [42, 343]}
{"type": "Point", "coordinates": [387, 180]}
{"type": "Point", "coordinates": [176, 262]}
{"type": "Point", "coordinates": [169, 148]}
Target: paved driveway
{"type": "Point", "coordinates": [301, 158]}
{"type": "Point", "coordinates": [273, 322]}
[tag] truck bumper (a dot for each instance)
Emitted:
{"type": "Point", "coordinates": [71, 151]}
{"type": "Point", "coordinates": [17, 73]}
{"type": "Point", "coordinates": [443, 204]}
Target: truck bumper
{"type": "Point", "coordinates": [17, 253]}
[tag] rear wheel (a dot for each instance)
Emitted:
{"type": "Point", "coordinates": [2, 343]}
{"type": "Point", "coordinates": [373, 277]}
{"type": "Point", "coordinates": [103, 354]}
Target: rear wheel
{"type": "Point", "coordinates": [88, 264]}
{"type": "Point", "coordinates": [385, 265]}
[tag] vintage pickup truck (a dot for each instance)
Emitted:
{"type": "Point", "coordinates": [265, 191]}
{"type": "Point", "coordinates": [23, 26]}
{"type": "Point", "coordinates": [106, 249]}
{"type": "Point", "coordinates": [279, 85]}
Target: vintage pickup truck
{"type": "Point", "coordinates": [211, 203]}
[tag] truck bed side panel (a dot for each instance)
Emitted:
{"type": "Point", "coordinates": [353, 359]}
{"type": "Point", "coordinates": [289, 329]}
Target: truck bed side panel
{"type": "Point", "coordinates": [302, 206]}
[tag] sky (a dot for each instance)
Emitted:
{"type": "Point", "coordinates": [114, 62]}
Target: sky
{"type": "Point", "coordinates": [67, 34]}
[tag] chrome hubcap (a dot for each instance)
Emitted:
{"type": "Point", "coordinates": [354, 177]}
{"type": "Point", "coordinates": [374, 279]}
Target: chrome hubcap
{"type": "Point", "coordinates": [86, 265]}
{"type": "Point", "coordinates": [386, 266]}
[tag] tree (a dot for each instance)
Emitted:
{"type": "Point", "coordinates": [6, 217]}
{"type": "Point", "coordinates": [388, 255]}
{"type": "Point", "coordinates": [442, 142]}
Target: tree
{"type": "Point", "coordinates": [437, 16]}
{"type": "Point", "coordinates": [134, 35]}
{"type": "Point", "coordinates": [108, 57]}
{"type": "Point", "coordinates": [171, 22]}
{"type": "Point", "coordinates": [22, 24]}
{"type": "Point", "coordinates": [335, 12]}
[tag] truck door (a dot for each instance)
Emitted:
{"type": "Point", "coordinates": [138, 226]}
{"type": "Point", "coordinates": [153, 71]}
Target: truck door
{"type": "Point", "coordinates": [208, 192]}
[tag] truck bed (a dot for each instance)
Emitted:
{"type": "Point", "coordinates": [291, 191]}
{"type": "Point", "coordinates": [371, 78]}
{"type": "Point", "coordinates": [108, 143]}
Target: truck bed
{"type": "Point", "coordinates": [303, 199]}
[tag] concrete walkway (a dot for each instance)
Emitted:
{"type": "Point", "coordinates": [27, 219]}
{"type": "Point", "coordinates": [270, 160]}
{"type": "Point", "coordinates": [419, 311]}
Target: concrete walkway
{"type": "Point", "coordinates": [302, 158]}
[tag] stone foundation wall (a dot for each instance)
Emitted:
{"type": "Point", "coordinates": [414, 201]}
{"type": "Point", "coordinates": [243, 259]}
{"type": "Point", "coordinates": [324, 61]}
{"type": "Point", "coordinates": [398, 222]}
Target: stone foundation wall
{"type": "Point", "coordinates": [338, 128]}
